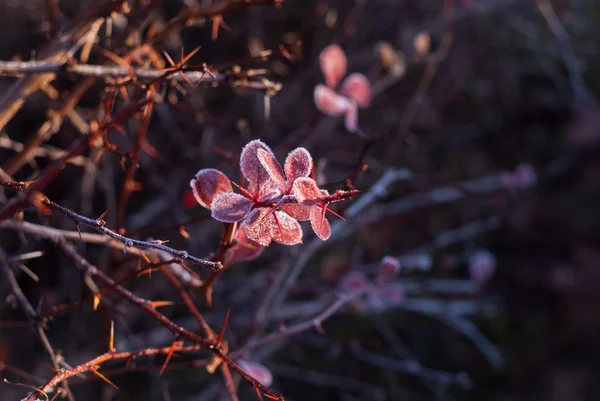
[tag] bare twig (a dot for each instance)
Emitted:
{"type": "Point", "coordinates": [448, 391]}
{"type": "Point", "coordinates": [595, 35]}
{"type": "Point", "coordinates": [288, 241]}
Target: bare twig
{"type": "Point", "coordinates": [100, 226]}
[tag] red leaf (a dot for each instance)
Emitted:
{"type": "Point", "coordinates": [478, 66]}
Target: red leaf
{"type": "Point", "coordinates": [273, 168]}
{"type": "Point", "coordinates": [243, 249]}
{"type": "Point", "coordinates": [307, 192]}
{"type": "Point", "coordinates": [209, 183]}
{"type": "Point", "coordinates": [257, 371]}
{"type": "Point", "coordinates": [299, 212]}
{"type": "Point", "coordinates": [251, 167]}
{"type": "Point", "coordinates": [297, 164]}
{"type": "Point", "coordinates": [333, 64]}
{"type": "Point", "coordinates": [258, 226]}
{"type": "Point", "coordinates": [319, 223]}
{"type": "Point", "coordinates": [357, 87]}
{"type": "Point", "coordinates": [286, 230]}
{"type": "Point", "coordinates": [230, 207]}
{"type": "Point", "coordinates": [329, 102]}
{"type": "Point", "coordinates": [351, 118]}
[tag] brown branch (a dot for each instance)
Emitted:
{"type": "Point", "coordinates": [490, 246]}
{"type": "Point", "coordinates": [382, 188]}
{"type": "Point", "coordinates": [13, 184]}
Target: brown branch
{"type": "Point", "coordinates": [31, 314]}
{"type": "Point", "coordinates": [78, 147]}
{"type": "Point", "coordinates": [129, 181]}
{"type": "Point", "coordinates": [58, 51]}
{"type": "Point", "coordinates": [250, 79]}
{"type": "Point", "coordinates": [188, 278]}
{"type": "Point", "coordinates": [100, 226]}
{"type": "Point", "coordinates": [86, 267]}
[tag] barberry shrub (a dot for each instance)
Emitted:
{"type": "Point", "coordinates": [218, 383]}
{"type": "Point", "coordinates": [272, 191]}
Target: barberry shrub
{"type": "Point", "coordinates": [272, 203]}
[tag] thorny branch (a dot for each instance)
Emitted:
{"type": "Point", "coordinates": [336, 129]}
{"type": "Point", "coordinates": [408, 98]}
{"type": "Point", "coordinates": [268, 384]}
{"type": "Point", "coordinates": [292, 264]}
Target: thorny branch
{"type": "Point", "coordinates": [100, 226]}
{"type": "Point", "coordinates": [147, 306]}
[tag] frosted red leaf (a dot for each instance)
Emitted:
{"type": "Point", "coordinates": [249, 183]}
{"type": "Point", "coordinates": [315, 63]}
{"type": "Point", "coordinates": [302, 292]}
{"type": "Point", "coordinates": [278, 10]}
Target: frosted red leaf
{"type": "Point", "coordinates": [299, 212]}
{"type": "Point", "coordinates": [319, 223]}
{"type": "Point", "coordinates": [351, 118]}
{"type": "Point", "coordinates": [251, 166]}
{"type": "Point", "coordinates": [273, 168]}
{"type": "Point", "coordinates": [286, 230]}
{"type": "Point", "coordinates": [329, 102]}
{"type": "Point", "coordinates": [209, 183]}
{"type": "Point", "coordinates": [243, 248]}
{"type": "Point", "coordinates": [357, 87]}
{"type": "Point", "coordinates": [307, 191]}
{"type": "Point", "coordinates": [353, 282]}
{"type": "Point", "coordinates": [333, 64]}
{"type": "Point", "coordinates": [389, 268]}
{"type": "Point", "coordinates": [297, 164]}
{"type": "Point", "coordinates": [257, 371]}
{"type": "Point", "coordinates": [258, 226]}
{"type": "Point", "coordinates": [230, 207]}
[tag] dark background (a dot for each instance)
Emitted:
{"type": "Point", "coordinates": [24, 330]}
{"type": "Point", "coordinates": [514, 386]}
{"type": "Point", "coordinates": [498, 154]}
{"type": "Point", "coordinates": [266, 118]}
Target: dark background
{"type": "Point", "coordinates": [514, 87]}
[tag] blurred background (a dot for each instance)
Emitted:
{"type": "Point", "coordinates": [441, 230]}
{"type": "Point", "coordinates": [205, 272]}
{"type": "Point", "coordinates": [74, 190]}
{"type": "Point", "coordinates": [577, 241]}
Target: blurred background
{"type": "Point", "coordinates": [481, 145]}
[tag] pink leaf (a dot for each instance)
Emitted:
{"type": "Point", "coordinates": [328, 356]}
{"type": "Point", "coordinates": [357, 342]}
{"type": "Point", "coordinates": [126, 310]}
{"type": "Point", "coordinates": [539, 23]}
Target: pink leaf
{"type": "Point", "coordinates": [297, 164]}
{"type": "Point", "coordinates": [351, 118]}
{"type": "Point", "coordinates": [257, 371]}
{"type": "Point", "coordinates": [272, 167]}
{"type": "Point", "coordinates": [389, 268]}
{"type": "Point", "coordinates": [258, 226]}
{"type": "Point", "coordinates": [319, 223]}
{"type": "Point", "coordinates": [243, 249]}
{"type": "Point", "coordinates": [357, 87]}
{"type": "Point", "coordinates": [286, 230]}
{"type": "Point", "coordinates": [329, 102]}
{"type": "Point", "coordinates": [333, 64]}
{"type": "Point", "coordinates": [209, 183]}
{"type": "Point", "coordinates": [306, 191]}
{"type": "Point", "coordinates": [353, 282]}
{"type": "Point", "coordinates": [251, 167]}
{"type": "Point", "coordinates": [229, 207]}
{"type": "Point", "coordinates": [299, 212]}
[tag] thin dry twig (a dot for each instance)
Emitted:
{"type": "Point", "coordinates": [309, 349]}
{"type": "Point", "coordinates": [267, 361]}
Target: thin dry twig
{"type": "Point", "coordinates": [100, 226]}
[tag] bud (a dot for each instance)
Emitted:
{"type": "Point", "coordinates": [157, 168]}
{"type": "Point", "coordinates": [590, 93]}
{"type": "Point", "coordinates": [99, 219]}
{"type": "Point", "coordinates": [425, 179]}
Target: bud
{"type": "Point", "coordinates": [389, 268]}
{"type": "Point", "coordinates": [482, 266]}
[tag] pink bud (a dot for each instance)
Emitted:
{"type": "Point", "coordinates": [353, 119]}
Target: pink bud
{"type": "Point", "coordinates": [389, 268]}
{"type": "Point", "coordinates": [482, 266]}
{"type": "Point", "coordinates": [525, 175]}
{"type": "Point", "coordinates": [353, 282]}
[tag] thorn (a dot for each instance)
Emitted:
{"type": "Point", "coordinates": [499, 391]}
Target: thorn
{"type": "Point", "coordinates": [222, 332]}
{"type": "Point", "coordinates": [169, 355]}
{"type": "Point", "coordinates": [111, 341]}
{"type": "Point", "coordinates": [159, 304]}
{"type": "Point", "coordinates": [335, 214]}
{"type": "Point", "coordinates": [169, 59]}
{"type": "Point", "coordinates": [104, 378]}
{"type": "Point", "coordinates": [79, 231]}
{"type": "Point", "coordinates": [258, 393]}
{"type": "Point", "coordinates": [146, 258]}
{"type": "Point", "coordinates": [96, 301]}
{"type": "Point", "coordinates": [244, 191]}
